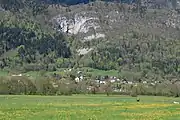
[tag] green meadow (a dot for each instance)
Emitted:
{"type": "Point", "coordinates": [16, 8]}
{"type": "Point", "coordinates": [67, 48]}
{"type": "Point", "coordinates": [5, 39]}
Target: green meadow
{"type": "Point", "coordinates": [88, 107]}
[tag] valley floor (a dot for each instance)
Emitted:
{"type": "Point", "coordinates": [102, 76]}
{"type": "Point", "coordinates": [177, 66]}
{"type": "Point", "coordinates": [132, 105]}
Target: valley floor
{"type": "Point", "coordinates": [88, 107]}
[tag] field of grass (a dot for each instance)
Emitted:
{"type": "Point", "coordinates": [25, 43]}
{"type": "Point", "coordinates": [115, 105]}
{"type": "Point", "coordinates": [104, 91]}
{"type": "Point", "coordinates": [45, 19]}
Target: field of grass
{"type": "Point", "coordinates": [88, 107]}
{"type": "Point", "coordinates": [97, 72]}
{"type": "Point", "coordinates": [3, 73]}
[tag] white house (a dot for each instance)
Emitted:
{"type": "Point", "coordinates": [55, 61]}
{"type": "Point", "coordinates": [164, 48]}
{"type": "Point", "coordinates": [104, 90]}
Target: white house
{"type": "Point", "coordinates": [144, 82]}
{"type": "Point", "coordinates": [17, 75]}
{"type": "Point", "coordinates": [97, 81]}
{"type": "Point", "coordinates": [77, 79]}
{"type": "Point", "coordinates": [130, 82]}
{"type": "Point", "coordinates": [102, 82]}
{"type": "Point", "coordinates": [112, 81]}
{"type": "Point", "coordinates": [81, 77]}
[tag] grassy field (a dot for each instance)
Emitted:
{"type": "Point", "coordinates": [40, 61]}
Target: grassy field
{"type": "Point", "coordinates": [3, 73]}
{"type": "Point", "coordinates": [88, 107]}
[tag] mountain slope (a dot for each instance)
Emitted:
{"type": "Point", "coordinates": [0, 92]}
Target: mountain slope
{"type": "Point", "coordinates": [27, 44]}
{"type": "Point", "coordinates": [123, 37]}
{"type": "Point", "coordinates": [140, 42]}
{"type": "Point", "coordinates": [109, 19]}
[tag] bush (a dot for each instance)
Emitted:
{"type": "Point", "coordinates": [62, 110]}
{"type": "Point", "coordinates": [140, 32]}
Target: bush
{"type": "Point", "coordinates": [34, 67]}
{"type": "Point", "coordinates": [3, 86]}
{"type": "Point", "coordinates": [45, 87]}
{"type": "Point", "coordinates": [133, 95]}
{"type": "Point", "coordinates": [134, 92]}
{"type": "Point", "coordinates": [17, 85]}
{"type": "Point", "coordinates": [64, 89]}
{"type": "Point", "coordinates": [175, 90]}
{"type": "Point", "coordinates": [51, 67]}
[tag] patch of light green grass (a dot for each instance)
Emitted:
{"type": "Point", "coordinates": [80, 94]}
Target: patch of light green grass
{"type": "Point", "coordinates": [3, 73]}
{"type": "Point", "coordinates": [97, 72]}
{"type": "Point", "coordinates": [87, 107]}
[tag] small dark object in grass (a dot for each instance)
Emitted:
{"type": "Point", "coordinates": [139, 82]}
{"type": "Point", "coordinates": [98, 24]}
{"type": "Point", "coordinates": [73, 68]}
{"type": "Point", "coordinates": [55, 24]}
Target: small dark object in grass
{"type": "Point", "coordinates": [138, 99]}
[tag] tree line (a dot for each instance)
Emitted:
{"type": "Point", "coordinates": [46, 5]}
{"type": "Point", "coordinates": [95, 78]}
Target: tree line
{"type": "Point", "coordinates": [66, 85]}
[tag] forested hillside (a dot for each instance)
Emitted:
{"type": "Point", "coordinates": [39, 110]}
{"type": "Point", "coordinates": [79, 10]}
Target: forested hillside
{"type": "Point", "coordinates": [66, 44]}
{"type": "Point", "coordinates": [143, 42]}
{"type": "Point", "coordinates": [26, 42]}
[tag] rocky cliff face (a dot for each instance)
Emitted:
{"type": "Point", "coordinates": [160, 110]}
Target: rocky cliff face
{"type": "Point", "coordinates": [110, 21]}
{"type": "Point", "coordinates": [1, 9]}
{"type": "Point", "coordinates": [85, 24]}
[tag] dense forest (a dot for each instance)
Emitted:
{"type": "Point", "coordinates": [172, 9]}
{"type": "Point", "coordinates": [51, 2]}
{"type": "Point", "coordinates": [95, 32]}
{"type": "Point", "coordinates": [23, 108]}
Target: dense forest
{"type": "Point", "coordinates": [74, 2]}
{"type": "Point", "coordinates": [29, 43]}
{"type": "Point", "coordinates": [26, 42]}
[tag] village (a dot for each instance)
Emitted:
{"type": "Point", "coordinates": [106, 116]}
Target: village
{"type": "Point", "coordinates": [115, 82]}
{"type": "Point", "coordinates": [86, 83]}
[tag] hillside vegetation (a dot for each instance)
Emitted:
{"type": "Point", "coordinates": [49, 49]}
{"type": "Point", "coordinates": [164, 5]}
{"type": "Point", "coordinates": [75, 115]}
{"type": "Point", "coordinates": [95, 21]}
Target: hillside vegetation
{"type": "Point", "coordinates": [138, 41]}
{"type": "Point", "coordinates": [28, 43]}
{"type": "Point", "coordinates": [100, 39]}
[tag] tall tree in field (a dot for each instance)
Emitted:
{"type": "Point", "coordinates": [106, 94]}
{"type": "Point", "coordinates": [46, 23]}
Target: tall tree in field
{"type": "Point", "coordinates": [108, 88]}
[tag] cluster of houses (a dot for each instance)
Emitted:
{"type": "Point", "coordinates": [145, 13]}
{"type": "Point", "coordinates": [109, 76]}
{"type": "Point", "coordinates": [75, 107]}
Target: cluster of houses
{"type": "Point", "coordinates": [103, 80]}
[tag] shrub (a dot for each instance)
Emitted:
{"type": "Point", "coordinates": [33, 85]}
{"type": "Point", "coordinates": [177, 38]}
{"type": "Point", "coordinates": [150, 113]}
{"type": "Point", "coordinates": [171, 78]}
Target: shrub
{"type": "Point", "coordinates": [47, 88]}
{"type": "Point", "coordinates": [34, 67]}
{"type": "Point", "coordinates": [3, 86]}
{"type": "Point", "coordinates": [64, 89]}
{"type": "Point", "coordinates": [17, 85]}
{"type": "Point", "coordinates": [134, 92]}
